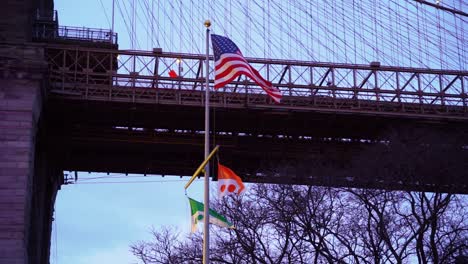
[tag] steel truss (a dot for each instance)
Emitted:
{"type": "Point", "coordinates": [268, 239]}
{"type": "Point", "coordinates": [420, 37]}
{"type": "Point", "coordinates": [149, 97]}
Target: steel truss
{"type": "Point", "coordinates": [143, 77]}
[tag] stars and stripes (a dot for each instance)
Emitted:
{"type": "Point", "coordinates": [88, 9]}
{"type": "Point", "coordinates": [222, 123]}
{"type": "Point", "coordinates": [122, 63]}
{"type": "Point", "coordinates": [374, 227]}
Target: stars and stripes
{"type": "Point", "coordinates": [229, 64]}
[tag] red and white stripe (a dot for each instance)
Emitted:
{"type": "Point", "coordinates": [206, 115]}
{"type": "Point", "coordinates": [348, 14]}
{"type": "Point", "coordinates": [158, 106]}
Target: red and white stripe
{"type": "Point", "coordinates": [230, 66]}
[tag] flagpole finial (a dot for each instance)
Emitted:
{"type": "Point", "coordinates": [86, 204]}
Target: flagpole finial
{"type": "Point", "coordinates": [207, 23]}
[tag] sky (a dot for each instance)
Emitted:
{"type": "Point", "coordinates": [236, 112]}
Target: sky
{"type": "Point", "coordinates": [96, 223]}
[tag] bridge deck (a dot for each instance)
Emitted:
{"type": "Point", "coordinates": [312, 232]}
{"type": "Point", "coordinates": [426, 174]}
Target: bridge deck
{"type": "Point", "coordinates": [135, 76]}
{"type": "Point", "coordinates": [340, 125]}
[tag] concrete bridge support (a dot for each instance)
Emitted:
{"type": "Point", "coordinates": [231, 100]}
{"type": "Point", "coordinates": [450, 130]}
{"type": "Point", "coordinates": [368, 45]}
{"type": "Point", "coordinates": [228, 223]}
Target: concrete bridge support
{"type": "Point", "coordinates": [28, 178]}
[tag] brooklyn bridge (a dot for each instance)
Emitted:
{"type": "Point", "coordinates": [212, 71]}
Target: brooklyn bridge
{"type": "Point", "coordinates": [374, 96]}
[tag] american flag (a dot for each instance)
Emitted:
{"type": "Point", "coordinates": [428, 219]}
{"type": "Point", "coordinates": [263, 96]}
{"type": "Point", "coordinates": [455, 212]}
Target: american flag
{"type": "Point", "coordinates": [229, 64]}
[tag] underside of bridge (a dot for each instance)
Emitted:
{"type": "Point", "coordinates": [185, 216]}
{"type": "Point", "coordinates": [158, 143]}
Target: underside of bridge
{"type": "Point", "coordinates": [263, 145]}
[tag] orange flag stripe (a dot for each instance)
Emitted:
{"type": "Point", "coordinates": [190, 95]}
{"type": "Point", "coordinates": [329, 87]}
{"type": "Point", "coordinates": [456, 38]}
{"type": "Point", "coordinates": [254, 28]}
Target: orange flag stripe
{"type": "Point", "coordinates": [225, 173]}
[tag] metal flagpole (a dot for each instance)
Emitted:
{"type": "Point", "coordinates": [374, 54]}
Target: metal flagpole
{"type": "Point", "coordinates": [206, 215]}
{"type": "Point", "coordinates": [112, 30]}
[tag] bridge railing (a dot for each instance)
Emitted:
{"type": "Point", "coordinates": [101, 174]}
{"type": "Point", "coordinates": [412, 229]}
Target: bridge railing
{"type": "Point", "coordinates": [52, 33]}
{"type": "Point", "coordinates": [140, 75]}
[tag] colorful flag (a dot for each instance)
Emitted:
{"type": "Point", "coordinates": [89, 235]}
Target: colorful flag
{"type": "Point", "coordinates": [197, 215]}
{"type": "Point", "coordinates": [173, 74]}
{"type": "Point", "coordinates": [230, 63]}
{"type": "Point", "coordinates": [228, 182]}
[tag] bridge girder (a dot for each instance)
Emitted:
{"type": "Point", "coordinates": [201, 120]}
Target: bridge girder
{"type": "Point", "coordinates": [338, 125]}
{"type": "Point", "coordinates": [263, 146]}
{"type": "Point", "coordinates": [142, 77]}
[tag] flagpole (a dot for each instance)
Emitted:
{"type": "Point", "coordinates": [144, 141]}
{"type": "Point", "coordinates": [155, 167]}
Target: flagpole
{"type": "Point", "coordinates": [206, 215]}
{"type": "Point", "coordinates": [112, 30]}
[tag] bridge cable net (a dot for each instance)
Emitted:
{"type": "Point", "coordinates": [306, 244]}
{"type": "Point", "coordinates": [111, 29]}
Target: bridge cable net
{"type": "Point", "coordinates": [320, 47]}
{"type": "Point", "coordinates": [399, 33]}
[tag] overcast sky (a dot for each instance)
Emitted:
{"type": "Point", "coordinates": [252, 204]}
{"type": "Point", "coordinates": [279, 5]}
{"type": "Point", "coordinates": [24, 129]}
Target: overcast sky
{"type": "Point", "coordinates": [96, 222]}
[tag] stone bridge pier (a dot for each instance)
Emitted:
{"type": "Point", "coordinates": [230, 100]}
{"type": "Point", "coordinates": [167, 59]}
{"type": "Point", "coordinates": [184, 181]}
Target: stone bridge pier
{"type": "Point", "coordinates": [28, 178]}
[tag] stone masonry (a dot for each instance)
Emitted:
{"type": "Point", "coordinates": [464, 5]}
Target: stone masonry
{"type": "Point", "coordinates": [20, 107]}
{"type": "Point", "coordinates": [28, 180]}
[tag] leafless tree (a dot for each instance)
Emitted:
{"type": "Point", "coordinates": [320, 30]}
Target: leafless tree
{"type": "Point", "coordinates": [304, 224]}
{"type": "Point", "coordinates": [439, 224]}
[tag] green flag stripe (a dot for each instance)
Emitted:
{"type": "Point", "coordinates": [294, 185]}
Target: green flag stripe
{"type": "Point", "coordinates": [198, 216]}
{"type": "Point", "coordinates": [197, 209]}
{"type": "Point", "coordinates": [195, 206]}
